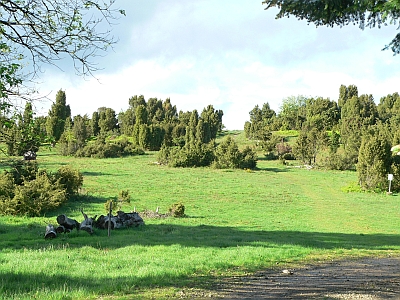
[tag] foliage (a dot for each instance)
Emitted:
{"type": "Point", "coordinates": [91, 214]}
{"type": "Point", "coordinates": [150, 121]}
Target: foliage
{"type": "Point", "coordinates": [292, 112]}
{"type": "Point", "coordinates": [177, 210]}
{"type": "Point", "coordinates": [70, 179]}
{"type": "Point", "coordinates": [124, 196]}
{"type": "Point", "coordinates": [106, 149]}
{"type": "Point", "coordinates": [283, 149]}
{"type": "Point", "coordinates": [225, 155]}
{"type": "Point", "coordinates": [26, 190]}
{"type": "Point", "coordinates": [46, 31]}
{"type": "Point", "coordinates": [113, 203]}
{"type": "Point", "coordinates": [22, 171]}
{"type": "Point", "coordinates": [58, 115]}
{"type": "Point", "coordinates": [23, 133]}
{"type": "Point", "coordinates": [228, 156]}
{"type": "Point", "coordinates": [249, 158]}
{"type": "Point", "coordinates": [261, 118]}
{"type": "Point", "coordinates": [374, 161]}
{"type": "Point", "coordinates": [366, 13]}
{"type": "Point", "coordinates": [35, 33]}
{"type": "Point", "coordinates": [200, 155]}
{"type": "Point", "coordinates": [35, 197]}
{"type": "Point", "coordinates": [322, 113]}
{"type": "Point", "coordinates": [107, 120]}
{"type": "Point", "coordinates": [309, 143]}
{"type": "Point", "coordinates": [339, 161]}
{"type": "Point", "coordinates": [74, 137]}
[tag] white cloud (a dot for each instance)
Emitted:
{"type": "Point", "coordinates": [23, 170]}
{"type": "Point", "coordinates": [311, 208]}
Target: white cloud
{"type": "Point", "coordinates": [230, 54]}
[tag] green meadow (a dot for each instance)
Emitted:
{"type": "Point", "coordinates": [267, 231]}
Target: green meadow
{"type": "Point", "coordinates": [237, 222]}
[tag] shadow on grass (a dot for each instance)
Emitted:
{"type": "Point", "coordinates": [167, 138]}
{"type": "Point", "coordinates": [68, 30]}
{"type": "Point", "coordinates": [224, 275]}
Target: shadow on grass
{"type": "Point", "coordinates": [165, 234]}
{"type": "Point", "coordinates": [31, 236]}
{"type": "Point", "coordinates": [63, 286]}
{"type": "Point", "coordinates": [275, 170]}
{"type": "Point", "coordinates": [88, 173]}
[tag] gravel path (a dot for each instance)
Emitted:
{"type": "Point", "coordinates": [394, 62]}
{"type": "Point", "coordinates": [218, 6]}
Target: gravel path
{"type": "Point", "coordinates": [372, 279]}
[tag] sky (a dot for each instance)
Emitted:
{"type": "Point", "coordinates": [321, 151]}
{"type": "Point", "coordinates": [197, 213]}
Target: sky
{"type": "Point", "coordinates": [231, 54]}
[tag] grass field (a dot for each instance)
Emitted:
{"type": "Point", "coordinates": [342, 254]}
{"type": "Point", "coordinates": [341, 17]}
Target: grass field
{"type": "Point", "coordinates": [237, 222]}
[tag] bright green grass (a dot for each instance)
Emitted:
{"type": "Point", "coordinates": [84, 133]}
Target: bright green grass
{"type": "Point", "coordinates": [237, 222]}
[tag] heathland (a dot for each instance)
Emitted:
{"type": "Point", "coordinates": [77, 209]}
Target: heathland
{"type": "Point", "coordinates": [236, 222]}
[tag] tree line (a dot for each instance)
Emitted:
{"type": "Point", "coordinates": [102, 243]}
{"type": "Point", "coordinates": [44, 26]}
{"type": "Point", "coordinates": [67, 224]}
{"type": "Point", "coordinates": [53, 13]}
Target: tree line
{"type": "Point", "coordinates": [185, 139]}
{"type": "Point", "coordinates": [351, 133]}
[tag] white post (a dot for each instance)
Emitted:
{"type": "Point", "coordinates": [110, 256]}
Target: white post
{"type": "Point", "coordinates": [390, 178]}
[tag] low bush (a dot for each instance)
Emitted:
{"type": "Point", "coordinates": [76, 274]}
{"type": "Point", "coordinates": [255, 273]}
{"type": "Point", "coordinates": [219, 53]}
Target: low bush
{"type": "Point", "coordinates": [124, 196]}
{"type": "Point", "coordinates": [225, 156]}
{"type": "Point", "coordinates": [102, 149]}
{"type": "Point", "coordinates": [25, 190]}
{"type": "Point", "coordinates": [70, 179]}
{"type": "Point", "coordinates": [37, 196]}
{"type": "Point", "coordinates": [196, 156]}
{"type": "Point", "coordinates": [338, 161]}
{"type": "Point", "coordinates": [177, 210]}
{"type": "Point", "coordinates": [228, 156]}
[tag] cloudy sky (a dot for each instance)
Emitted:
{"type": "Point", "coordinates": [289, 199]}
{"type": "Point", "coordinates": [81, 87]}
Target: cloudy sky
{"type": "Point", "coordinates": [229, 53]}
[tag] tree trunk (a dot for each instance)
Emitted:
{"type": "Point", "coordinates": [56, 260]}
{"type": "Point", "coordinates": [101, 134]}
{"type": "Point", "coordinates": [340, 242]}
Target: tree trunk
{"type": "Point", "coordinates": [87, 224]}
{"type": "Point", "coordinates": [130, 219]}
{"type": "Point", "coordinates": [50, 232]}
{"type": "Point", "coordinates": [70, 224]}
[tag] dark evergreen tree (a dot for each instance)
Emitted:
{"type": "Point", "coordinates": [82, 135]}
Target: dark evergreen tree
{"type": "Point", "coordinates": [346, 93]}
{"type": "Point", "coordinates": [388, 107]}
{"type": "Point", "coordinates": [356, 114]}
{"type": "Point", "coordinates": [57, 116]}
{"type": "Point", "coordinates": [213, 118]}
{"type": "Point", "coordinates": [94, 123]}
{"type": "Point", "coordinates": [107, 120]}
{"type": "Point", "coordinates": [322, 113]}
{"type": "Point", "coordinates": [374, 160]}
{"type": "Point", "coordinates": [135, 101]}
{"type": "Point", "coordinates": [191, 130]}
{"type": "Point", "coordinates": [170, 112]}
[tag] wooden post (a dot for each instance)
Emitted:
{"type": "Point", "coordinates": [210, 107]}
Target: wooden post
{"type": "Point", "coordinates": [109, 219]}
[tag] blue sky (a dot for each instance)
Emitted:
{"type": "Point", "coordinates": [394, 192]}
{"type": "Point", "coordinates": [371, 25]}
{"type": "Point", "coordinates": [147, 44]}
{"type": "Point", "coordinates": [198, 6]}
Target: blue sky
{"type": "Point", "coordinates": [231, 54]}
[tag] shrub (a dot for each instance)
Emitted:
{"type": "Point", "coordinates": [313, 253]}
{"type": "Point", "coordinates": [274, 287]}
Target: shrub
{"type": "Point", "coordinates": [6, 186]}
{"type": "Point", "coordinates": [23, 171]}
{"type": "Point", "coordinates": [25, 190]}
{"type": "Point", "coordinates": [196, 156]}
{"type": "Point", "coordinates": [227, 155]}
{"type": "Point", "coordinates": [36, 196]}
{"type": "Point", "coordinates": [103, 149]}
{"type": "Point", "coordinates": [124, 196]}
{"type": "Point", "coordinates": [338, 161]}
{"type": "Point", "coordinates": [113, 203]}
{"type": "Point", "coordinates": [395, 170]}
{"type": "Point", "coordinates": [70, 179]}
{"type": "Point", "coordinates": [283, 149]}
{"type": "Point", "coordinates": [249, 158]}
{"type": "Point", "coordinates": [177, 210]}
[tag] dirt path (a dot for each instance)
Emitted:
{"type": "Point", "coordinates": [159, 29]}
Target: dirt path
{"type": "Point", "coordinates": [372, 279]}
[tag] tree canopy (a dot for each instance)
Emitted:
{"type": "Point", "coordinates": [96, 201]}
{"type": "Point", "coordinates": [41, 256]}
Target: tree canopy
{"type": "Point", "coordinates": [366, 13]}
{"type": "Point", "coordinates": [37, 32]}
